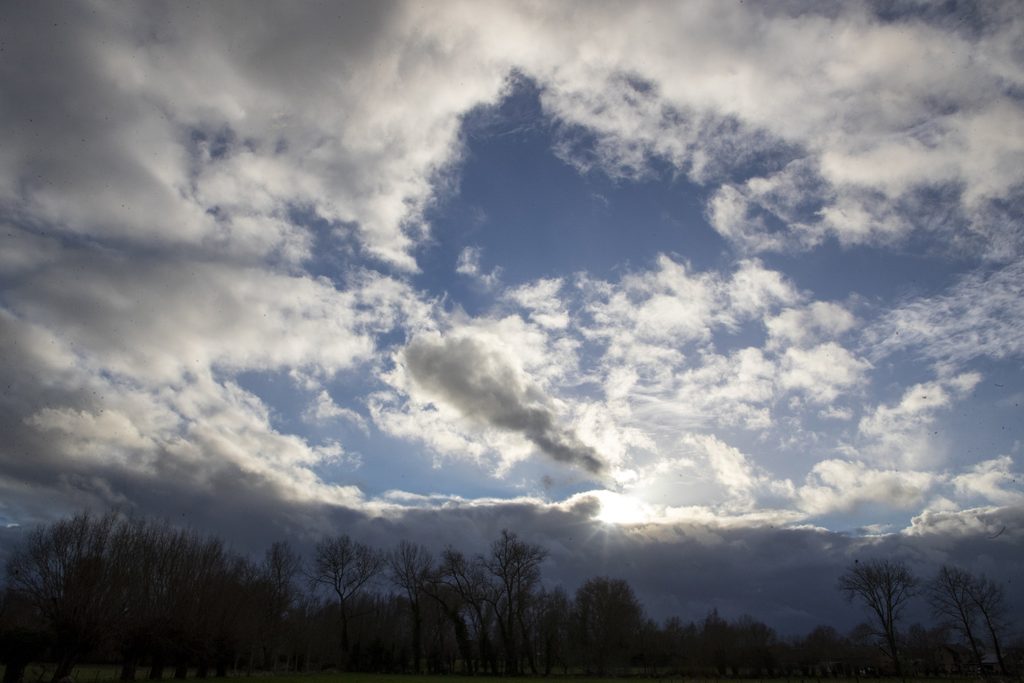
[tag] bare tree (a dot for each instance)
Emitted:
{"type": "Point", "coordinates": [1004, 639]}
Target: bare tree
{"type": "Point", "coordinates": [469, 581]}
{"type": "Point", "coordinates": [949, 595]}
{"type": "Point", "coordinates": [555, 610]}
{"type": "Point", "coordinates": [344, 567]}
{"type": "Point", "coordinates": [135, 553]}
{"type": "Point", "coordinates": [515, 567]}
{"type": "Point", "coordinates": [884, 586]}
{"type": "Point", "coordinates": [275, 585]}
{"type": "Point", "coordinates": [608, 618]}
{"type": "Point", "coordinates": [64, 570]}
{"type": "Point", "coordinates": [990, 600]}
{"type": "Point", "coordinates": [410, 567]}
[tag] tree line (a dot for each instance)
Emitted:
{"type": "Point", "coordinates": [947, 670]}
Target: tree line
{"type": "Point", "coordinates": [159, 600]}
{"type": "Point", "coordinates": [972, 608]}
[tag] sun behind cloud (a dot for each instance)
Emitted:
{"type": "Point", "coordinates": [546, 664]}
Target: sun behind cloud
{"type": "Point", "coordinates": [623, 509]}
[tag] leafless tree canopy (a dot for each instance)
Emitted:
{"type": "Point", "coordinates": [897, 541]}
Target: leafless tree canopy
{"type": "Point", "coordinates": [949, 597]}
{"type": "Point", "coordinates": [884, 587]}
{"type": "Point", "coordinates": [344, 567]}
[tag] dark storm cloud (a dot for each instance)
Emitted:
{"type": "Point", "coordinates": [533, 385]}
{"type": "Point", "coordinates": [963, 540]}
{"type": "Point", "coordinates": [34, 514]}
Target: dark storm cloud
{"type": "Point", "coordinates": [786, 577]}
{"type": "Point", "coordinates": [484, 387]}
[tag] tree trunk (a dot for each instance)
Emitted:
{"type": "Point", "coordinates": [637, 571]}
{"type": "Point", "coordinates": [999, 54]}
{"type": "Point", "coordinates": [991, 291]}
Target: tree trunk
{"type": "Point", "coordinates": [14, 672]}
{"type": "Point", "coordinates": [417, 636]}
{"type": "Point", "coordinates": [128, 668]}
{"type": "Point", "coordinates": [222, 667]}
{"type": "Point", "coordinates": [975, 650]}
{"type": "Point", "coordinates": [65, 665]}
{"type": "Point", "coordinates": [995, 644]}
{"type": "Point", "coordinates": [156, 668]}
{"type": "Point", "coordinates": [344, 641]}
{"type": "Point", "coordinates": [890, 637]}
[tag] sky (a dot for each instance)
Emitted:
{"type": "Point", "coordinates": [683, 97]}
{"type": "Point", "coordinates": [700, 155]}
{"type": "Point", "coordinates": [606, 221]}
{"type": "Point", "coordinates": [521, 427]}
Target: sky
{"type": "Point", "coordinates": [715, 297]}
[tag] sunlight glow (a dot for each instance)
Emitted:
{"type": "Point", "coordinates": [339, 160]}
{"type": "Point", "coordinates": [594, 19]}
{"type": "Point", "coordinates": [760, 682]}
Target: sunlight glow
{"type": "Point", "coordinates": [617, 508]}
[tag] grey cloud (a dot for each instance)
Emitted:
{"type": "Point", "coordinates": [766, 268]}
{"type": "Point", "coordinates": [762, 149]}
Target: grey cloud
{"type": "Point", "coordinates": [786, 577]}
{"type": "Point", "coordinates": [482, 386]}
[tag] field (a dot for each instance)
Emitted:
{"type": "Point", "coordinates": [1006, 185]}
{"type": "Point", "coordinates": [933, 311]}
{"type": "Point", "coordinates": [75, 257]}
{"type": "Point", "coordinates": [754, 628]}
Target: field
{"type": "Point", "coordinates": [104, 674]}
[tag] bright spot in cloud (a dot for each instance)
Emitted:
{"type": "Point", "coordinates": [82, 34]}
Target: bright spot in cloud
{"type": "Point", "coordinates": [617, 508]}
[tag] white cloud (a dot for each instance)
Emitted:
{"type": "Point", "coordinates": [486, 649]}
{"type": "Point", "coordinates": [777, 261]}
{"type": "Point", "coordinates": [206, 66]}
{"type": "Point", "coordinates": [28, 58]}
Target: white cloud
{"type": "Point", "coordinates": [808, 325]}
{"type": "Point", "coordinates": [690, 86]}
{"type": "Point", "coordinates": [982, 315]}
{"type": "Point", "coordinates": [671, 305]}
{"type": "Point", "coordinates": [993, 481]}
{"type": "Point", "coordinates": [901, 434]}
{"type": "Point", "coordinates": [666, 305]}
{"type": "Point", "coordinates": [754, 290]}
{"type": "Point", "coordinates": [202, 160]}
{"type": "Point", "coordinates": [982, 522]}
{"type": "Point", "coordinates": [729, 465]}
{"type": "Point", "coordinates": [823, 372]}
{"type": "Point", "coordinates": [737, 389]}
{"type": "Point", "coordinates": [842, 486]}
{"type": "Point", "coordinates": [174, 147]}
{"type": "Point", "coordinates": [730, 213]}
{"type": "Point", "coordinates": [468, 264]}
{"type": "Point", "coordinates": [323, 408]}
{"type": "Point", "coordinates": [155, 321]}
{"type": "Point", "coordinates": [541, 300]}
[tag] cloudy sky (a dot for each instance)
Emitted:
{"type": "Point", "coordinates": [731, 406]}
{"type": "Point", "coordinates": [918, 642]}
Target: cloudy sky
{"type": "Point", "coordinates": [712, 296]}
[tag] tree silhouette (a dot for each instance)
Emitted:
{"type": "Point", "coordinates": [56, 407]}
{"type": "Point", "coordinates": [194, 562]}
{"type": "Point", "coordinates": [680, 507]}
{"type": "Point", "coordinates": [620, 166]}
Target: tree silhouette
{"type": "Point", "coordinates": [410, 567]}
{"type": "Point", "coordinates": [515, 567]}
{"type": "Point", "coordinates": [608, 617]}
{"type": "Point", "coordinates": [344, 567]}
{"type": "Point", "coordinates": [990, 600]}
{"type": "Point", "coordinates": [64, 570]}
{"type": "Point", "coordinates": [884, 586]}
{"type": "Point", "coordinates": [469, 581]}
{"type": "Point", "coordinates": [949, 595]}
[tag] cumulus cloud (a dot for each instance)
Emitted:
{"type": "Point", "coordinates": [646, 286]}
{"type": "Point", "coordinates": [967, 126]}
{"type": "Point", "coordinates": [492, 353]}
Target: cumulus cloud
{"type": "Point", "coordinates": [841, 486]}
{"type": "Point", "coordinates": [122, 375]}
{"type": "Point", "coordinates": [899, 433]}
{"type": "Point", "coordinates": [158, 319]}
{"type": "Point", "coordinates": [994, 481]}
{"type": "Point", "coordinates": [672, 304]}
{"type": "Point", "coordinates": [221, 160]}
{"type": "Point", "coordinates": [842, 144]}
{"type": "Point", "coordinates": [815, 322]}
{"type": "Point", "coordinates": [822, 372]}
{"type": "Point", "coordinates": [737, 389]}
{"type": "Point", "coordinates": [541, 300]}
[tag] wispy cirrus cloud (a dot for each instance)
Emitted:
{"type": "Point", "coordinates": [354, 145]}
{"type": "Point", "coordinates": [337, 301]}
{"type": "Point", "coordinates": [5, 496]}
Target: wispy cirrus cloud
{"type": "Point", "coordinates": [981, 315]}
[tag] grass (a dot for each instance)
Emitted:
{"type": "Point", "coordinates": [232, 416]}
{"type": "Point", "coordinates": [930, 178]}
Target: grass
{"type": "Point", "coordinates": [40, 673]}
